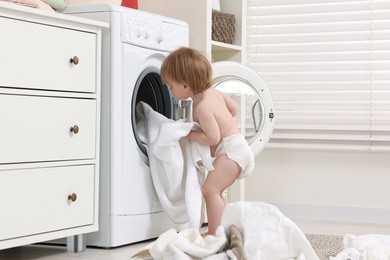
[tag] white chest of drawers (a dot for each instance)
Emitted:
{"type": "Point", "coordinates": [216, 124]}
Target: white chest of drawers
{"type": "Point", "coordinates": [49, 125]}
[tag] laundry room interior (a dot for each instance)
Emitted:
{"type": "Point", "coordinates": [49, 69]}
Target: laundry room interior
{"type": "Point", "coordinates": [96, 160]}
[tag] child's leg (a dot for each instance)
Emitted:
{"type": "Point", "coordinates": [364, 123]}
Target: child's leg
{"type": "Point", "coordinates": [224, 174]}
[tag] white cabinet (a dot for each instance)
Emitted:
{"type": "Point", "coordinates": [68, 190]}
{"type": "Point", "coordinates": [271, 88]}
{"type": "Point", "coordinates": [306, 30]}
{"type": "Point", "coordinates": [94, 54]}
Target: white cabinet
{"type": "Point", "coordinates": [198, 15]}
{"type": "Point", "coordinates": [50, 119]}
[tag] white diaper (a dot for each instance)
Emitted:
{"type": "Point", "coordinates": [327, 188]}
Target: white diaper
{"type": "Point", "coordinates": [237, 149]}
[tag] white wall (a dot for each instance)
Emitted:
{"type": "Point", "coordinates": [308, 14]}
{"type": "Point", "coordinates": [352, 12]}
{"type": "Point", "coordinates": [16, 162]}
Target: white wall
{"type": "Point", "coordinates": [326, 185]}
{"type": "Point", "coordinates": [315, 184]}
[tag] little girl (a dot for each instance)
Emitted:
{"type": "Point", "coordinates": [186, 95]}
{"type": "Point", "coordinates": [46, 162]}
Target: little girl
{"type": "Point", "coordinates": [188, 73]}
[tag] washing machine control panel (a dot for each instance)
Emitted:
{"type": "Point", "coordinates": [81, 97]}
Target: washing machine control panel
{"type": "Point", "coordinates": [153, 32]}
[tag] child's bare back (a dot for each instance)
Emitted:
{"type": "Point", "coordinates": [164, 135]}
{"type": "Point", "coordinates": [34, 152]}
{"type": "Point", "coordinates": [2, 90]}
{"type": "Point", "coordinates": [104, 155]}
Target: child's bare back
{"type": "Point", "coordinates": [213, 103]}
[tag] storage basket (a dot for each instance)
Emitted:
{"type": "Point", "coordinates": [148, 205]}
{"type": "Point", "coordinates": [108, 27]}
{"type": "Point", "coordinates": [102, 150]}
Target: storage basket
{"type": "Point", "coordinates": [223, 27]}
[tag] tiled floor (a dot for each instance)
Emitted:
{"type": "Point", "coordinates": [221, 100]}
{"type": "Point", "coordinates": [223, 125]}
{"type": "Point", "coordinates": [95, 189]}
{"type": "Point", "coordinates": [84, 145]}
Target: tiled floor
{"type": "Point", "coordinates": [45, 252]}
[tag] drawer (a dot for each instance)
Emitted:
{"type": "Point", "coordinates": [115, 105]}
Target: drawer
{"type": "Point", "coordinates": [37, 56]}
{"type": "Point", "coordinates": [36, 200]}
{"type": "Point", "coordinates": [38, 129]}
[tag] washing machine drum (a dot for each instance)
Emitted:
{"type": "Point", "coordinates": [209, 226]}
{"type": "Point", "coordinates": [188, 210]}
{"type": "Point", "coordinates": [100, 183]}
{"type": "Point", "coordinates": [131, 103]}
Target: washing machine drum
{"type": "Point", "coordinates": [151, 90]}
{"type": "Point", "coordinates": [255, 113]}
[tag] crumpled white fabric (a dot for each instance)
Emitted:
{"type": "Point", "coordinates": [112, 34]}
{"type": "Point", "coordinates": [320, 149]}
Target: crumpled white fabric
{"type": "Point", "coordinates": [365, 247]}
{"type": "Point", "coordinates": [267, 232]}
{"type": "Point", "coordinates": [186, 245]}
{"type": "Point", "coordinates": [177, 178]}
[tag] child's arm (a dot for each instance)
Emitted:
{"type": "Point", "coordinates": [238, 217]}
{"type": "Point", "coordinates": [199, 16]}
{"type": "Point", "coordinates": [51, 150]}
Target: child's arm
{"type": "Point", "coordinates": [200, 137]}
{"type": "Point", "coordinates": [210, 134]}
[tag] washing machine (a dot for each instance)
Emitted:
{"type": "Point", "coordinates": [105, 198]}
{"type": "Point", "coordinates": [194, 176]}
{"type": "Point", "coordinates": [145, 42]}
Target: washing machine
{"type": "Point", "coordinates": [133, 49]}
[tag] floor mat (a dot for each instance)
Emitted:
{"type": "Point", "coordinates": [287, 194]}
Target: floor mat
{"type": "Point", "coordinates": [325, 245]}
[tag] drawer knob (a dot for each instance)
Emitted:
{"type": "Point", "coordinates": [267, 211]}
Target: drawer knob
{"type": "Point", "coordinates": [74, 129]}
{"type": "Point", "coordinates": [72, 197]}
{"type": "Point", "coordinates": [74, 60]}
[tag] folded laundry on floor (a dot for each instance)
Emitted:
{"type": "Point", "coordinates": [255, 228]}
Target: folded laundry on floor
{"type": "Point", "coordinates": [48, 5]}
{"type": "Point", "coordinates": [177, 165]}
{"type": "Point", "coordinates": [266, 234]}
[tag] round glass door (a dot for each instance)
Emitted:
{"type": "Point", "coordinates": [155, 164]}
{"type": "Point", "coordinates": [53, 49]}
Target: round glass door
{"type": "Point", "coordinates": [250, 114]}
{"type": "Point", "coordinates": [254, 102]}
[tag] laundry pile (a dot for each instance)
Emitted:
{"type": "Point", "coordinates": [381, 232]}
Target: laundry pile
{"type": "Point", "coordinates": [364, 247]}
{"type": "Point", "coordinates": [249, 230]}
{"type": "Point", "coordinates": [48, 5]}
{"type": "Point", "coordinates": [189, 244]}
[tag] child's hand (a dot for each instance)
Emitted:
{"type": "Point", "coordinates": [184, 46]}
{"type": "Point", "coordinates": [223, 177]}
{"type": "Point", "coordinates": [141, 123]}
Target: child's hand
{"type": "Point", "coordinates": [191, 134]}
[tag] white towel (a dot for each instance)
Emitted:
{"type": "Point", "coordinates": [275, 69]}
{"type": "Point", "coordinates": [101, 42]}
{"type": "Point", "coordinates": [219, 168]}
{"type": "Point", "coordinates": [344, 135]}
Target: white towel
{"type": "Point", "coordinates": [364, 247]}
{"type": "Point", "coordinates": [186, 245]}
{"type": "Point", "coordinates": [177, 178]}
{"type": "Point", "coordinates": [267, 232]}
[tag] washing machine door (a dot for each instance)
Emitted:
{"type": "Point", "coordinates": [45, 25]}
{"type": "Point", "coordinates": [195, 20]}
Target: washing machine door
{"type": "Point", "coordinates": [255, 113]}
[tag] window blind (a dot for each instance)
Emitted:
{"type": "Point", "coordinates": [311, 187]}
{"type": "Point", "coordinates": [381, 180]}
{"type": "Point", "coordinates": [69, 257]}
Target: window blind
{"type": "Point", "coordinates": [327, 65]}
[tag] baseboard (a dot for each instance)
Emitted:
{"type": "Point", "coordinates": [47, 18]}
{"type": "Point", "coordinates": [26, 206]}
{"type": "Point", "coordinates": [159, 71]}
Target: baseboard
{"type": "Point", "coordinates": [335, 213]}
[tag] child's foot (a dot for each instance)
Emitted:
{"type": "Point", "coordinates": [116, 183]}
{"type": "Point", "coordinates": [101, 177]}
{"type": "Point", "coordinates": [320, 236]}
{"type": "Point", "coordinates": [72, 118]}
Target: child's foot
{"type": "Point", "coordinates": [205, 234]}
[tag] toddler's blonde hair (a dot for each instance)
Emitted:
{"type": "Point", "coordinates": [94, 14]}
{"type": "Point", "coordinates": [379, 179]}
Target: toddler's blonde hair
{"type": "Point", "coordinates": [188, 66]}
